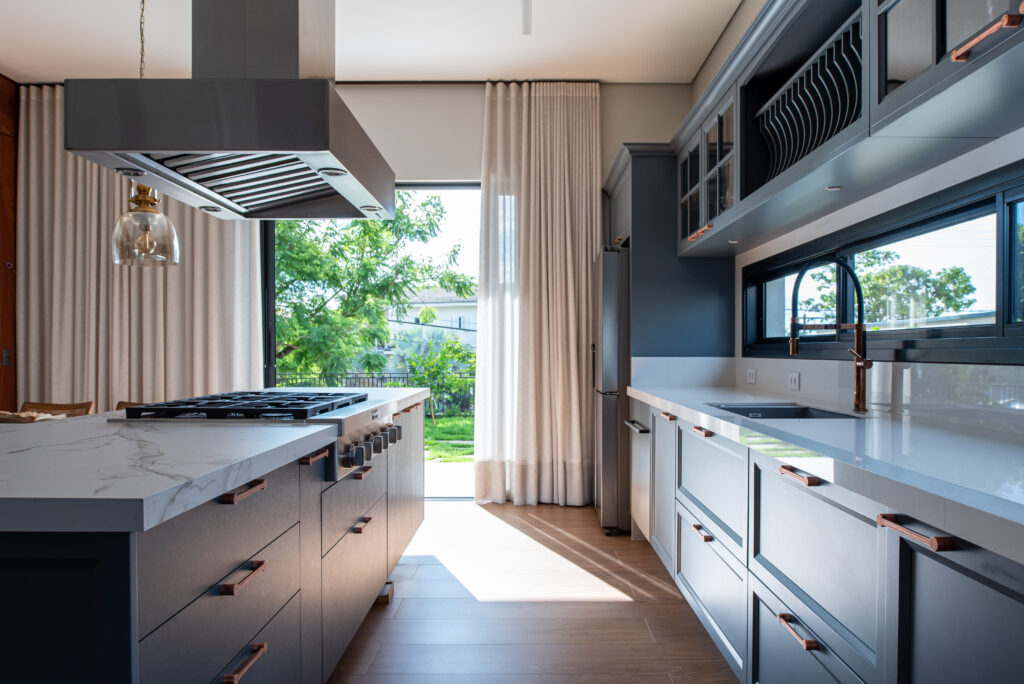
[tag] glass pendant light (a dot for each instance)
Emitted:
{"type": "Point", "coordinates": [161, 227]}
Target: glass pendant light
{"type": "Point", "coordinates": [143, 236]}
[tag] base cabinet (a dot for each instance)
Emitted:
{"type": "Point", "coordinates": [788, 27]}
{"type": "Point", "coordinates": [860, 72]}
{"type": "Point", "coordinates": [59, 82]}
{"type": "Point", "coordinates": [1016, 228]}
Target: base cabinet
{"type": "Point", "coordinates": [665, 450]}
{"type": "Point", "coordinates": [639, 425]}
{"type": "Point", "coordinates": [405, 482]}
{"type": "Point", "coordinates": [273, 655]}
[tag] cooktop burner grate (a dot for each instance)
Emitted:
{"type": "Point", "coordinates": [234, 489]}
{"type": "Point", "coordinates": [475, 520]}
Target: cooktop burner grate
{"type": "Point", "coordinates": [241, 405]}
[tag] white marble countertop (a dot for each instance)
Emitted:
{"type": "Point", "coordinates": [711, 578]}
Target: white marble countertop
{"type": "Point", "coordinates": [965, 478]}
{"type": "Point", "coordinates": [90, 474]}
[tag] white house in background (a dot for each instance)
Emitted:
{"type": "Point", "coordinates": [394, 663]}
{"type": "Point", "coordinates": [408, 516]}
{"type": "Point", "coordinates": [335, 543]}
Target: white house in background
{"type": "Point", "coordinates": [454, 316]}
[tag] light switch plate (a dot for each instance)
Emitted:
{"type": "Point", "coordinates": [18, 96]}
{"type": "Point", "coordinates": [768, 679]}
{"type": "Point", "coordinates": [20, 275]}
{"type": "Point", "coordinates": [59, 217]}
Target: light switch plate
{"type": "Point", "coordinates": [751, 376]}
{"type": "Point", "coordinates": [794, 382]}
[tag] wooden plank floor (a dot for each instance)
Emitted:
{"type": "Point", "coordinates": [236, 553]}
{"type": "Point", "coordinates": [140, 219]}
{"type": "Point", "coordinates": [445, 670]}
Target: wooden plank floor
{"type": "Point", "coordinates": [504, 594]}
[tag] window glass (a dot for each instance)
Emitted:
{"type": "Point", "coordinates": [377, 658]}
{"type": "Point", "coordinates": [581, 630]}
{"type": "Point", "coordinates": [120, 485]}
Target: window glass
{"type": "Point", "coordinates": [1017, 230]}
{"type": "Point", "coordinates": [817, 301]}
{"type": "Point", "coordinates": [965, 18]}
{"type": "Point", "coordinates": [711, 138]}
{"type": "Point", "coordinates": [909, 30]}
{"type": "Point", "coordinates": [726, 145]}
{"type": "Point", "coordinates": [945, 277]}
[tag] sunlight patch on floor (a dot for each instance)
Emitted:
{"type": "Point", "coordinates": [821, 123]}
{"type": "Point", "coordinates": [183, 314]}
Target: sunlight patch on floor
{"type": "Point", "coordinates": [497, 562]}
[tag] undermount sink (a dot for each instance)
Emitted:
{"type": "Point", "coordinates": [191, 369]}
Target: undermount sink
{"type": "Point", "coordinates": [779, 410]}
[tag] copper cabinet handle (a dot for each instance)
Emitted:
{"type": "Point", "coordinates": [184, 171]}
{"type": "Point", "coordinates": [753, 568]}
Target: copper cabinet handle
{"type": "Point", "coordinates": [1006, 21]}
{"type": "Point", "coordinates": [361, 525]}
{"type": "Point", "coordinates": [699, 530]}
{"type": "Point", "coordinates": [703, 432]}
{"type": "Point", "coordinates": [941, 543]}
{"type": "Point", "coordinates": [258, 649]}
{"type": "Point", "coordinates": [667, 416]}
{"type": "Point", "coordinates": [363, 473]}
{"type": "Point", "coordinates": [805, 480]}
{"type": "Point", "coordinates": [806, 644]}
{"type": "Point", "coordinates": [318, 456]}
{"type": "Point", "coordinates": [258, 566]}
{"type": "Point", "coordinates": [706, 228]}
{"type": "Point", "coordinates": [232, 498]}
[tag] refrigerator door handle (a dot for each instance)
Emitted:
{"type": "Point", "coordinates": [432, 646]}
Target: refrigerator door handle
{"type": "Point", "coordinates": [636, 427]}
{"type": "Point", "coordinates": [593, 365]}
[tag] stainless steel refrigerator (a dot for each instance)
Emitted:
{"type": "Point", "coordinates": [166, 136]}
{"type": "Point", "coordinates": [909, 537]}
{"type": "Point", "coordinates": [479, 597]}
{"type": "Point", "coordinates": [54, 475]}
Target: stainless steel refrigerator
{"type": "Point", "coordinates": [609, 372]}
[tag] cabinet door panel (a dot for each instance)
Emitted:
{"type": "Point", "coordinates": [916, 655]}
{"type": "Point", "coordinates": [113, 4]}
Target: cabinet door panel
{"type": "Point", "coordinates": [821, 545]}
{"type": "Point", "coordinates": [713, 476]}
{"type": "Point", "coordinates": [960, 614]}
{"type": "Point", "coordinates": [280, 662]}
{"type": "Point", "coordinates": [717, 580]}
{"type": "Point", "coordinates": [665, 438]}
{"type": "Point", "coordinates": [405, 484]}
{"type": "Point", "coordinates": [640, 468]}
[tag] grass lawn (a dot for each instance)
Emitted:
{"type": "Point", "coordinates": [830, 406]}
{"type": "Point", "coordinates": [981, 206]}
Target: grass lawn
{"type": "Point", "coordinates": [450, 428]}
{"type": "Point", "coordinates": [446, 439]}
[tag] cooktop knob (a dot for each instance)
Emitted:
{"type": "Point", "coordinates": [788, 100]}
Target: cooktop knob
{"type": "Point", "coordinates": [394, 433]}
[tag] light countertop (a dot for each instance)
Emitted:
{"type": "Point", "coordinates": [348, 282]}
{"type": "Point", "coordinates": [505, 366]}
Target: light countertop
{"type": "Point", "coordinates": [92, 474]}
{"type": "Point", "coordinates": [967, 479]}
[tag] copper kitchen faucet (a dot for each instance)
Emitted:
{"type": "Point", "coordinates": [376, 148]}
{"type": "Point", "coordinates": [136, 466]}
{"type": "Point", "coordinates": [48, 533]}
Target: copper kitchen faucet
{"type": "Point", "coordinates": [861, 364]}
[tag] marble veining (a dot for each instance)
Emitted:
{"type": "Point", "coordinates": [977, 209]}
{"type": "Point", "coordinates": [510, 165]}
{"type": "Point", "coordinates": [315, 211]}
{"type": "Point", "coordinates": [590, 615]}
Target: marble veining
{"type": "Point", "coordinates": [90, 474]}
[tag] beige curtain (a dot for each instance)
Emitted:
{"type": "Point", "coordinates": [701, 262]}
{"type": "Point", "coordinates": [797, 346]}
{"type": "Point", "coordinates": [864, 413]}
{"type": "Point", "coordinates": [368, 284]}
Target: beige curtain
{"type": "Point", "coordinates": [540, 228]}
{"type": "Point", "coordinates": [92, 331]}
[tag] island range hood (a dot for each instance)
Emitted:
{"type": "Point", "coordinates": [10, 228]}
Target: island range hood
{"type": "Point", "coordinates": [258, 132]}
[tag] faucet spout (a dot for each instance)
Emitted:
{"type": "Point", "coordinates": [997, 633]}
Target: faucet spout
{"type": "Point", "coordinates": [861, 363]}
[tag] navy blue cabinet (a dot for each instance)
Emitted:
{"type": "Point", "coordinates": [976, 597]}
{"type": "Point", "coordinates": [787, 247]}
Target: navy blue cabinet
{"type": "Point", "coordinates": [955, 614]}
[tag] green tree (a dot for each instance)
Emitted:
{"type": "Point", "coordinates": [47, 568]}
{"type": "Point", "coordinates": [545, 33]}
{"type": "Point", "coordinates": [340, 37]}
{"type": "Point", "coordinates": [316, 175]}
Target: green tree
{"type": "Point", "coordinates": [336, 283]}
{"type": "Point", "coordinates": [894, 291]}
{"type": "Point", "coordinates": [446, 366]}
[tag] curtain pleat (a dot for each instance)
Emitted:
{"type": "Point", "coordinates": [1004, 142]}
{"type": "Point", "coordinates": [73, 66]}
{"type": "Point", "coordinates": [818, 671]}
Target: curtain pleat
{"type": "Point", "coordinates": [92, 331]}
{"type": "Point", "coordinates": [534, 405]}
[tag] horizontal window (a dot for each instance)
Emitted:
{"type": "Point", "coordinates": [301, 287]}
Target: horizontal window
{"type": "Point", "coordinates": [935, 281]}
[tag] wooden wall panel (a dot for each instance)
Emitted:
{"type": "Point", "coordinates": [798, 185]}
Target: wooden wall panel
{"type": "Point", "coordinates": [8, 178]}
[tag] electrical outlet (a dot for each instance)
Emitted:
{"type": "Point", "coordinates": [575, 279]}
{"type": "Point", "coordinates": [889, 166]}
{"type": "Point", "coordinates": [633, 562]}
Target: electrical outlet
{"type": "Point", "coordinates": [794, 382]}
{"type": "Point", "coordinates": [751, 376]}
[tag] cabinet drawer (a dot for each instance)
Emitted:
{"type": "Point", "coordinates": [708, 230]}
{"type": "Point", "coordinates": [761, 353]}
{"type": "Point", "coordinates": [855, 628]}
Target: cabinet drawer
{"type": "Point", "coordinates": [353, 573]}
{"type": "Point", "coordinates": [717, 581]}
{"type": "Point", "coordinates": [821, 543]}
{"type": "Point", "coordinates": [182, 558]}
{"type": "Point", "coordinates": [405, 485]}
{"type": "Point", "coordinates": [777, 655]}
{"type": "Point", "coordinates": [957, 615]}
{"type": "Point", "coordinates": [279, 661]}
{"type": "Point", "coordinates": [214, 626]}
{"type": "Point", "coordinates": [713, 476]}
{"type": "Point", "coordinates": [344, 503]}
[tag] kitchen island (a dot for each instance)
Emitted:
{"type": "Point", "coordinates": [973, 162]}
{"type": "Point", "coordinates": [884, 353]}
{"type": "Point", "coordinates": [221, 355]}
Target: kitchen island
{"type": "Point", "coordinates": [186, 550]}
{"type": "Point", "coordinates": [880, 547]}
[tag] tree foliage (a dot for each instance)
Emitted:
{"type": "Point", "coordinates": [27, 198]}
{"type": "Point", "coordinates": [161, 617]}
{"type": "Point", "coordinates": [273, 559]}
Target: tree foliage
{"type": "Point", "coordinates": [445, 365]}
{"type": "Point", "coordinates": [896, 292]}
{"type": "Point", "coordinates": [337, 281]}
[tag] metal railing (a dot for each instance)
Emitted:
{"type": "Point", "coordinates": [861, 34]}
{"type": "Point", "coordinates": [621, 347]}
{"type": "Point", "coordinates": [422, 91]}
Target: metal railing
{"type": "Point", "coordinates": [445, 403]}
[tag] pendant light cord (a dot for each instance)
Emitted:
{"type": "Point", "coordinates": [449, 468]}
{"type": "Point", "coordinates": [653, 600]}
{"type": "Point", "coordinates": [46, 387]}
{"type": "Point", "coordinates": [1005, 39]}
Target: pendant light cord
{"type": "Point", "coordinates": [142, 38]}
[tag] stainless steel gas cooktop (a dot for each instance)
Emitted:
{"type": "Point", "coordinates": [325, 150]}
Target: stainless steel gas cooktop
{"type": "Point", "coordinates": [242, 405]}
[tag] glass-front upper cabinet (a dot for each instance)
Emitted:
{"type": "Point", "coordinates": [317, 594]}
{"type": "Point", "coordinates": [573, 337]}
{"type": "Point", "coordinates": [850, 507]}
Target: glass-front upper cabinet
{"type": "Point", "coordinates": [720, 169]}
{"type": "Point", "coordinates": [689, 189]}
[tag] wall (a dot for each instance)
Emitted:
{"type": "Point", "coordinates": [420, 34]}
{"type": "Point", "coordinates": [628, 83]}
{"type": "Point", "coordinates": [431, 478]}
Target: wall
{"type": "Point", "coordinates": [8, 194]}
{"type": "Point", "coordinates": [892, 385]}
{"type": "Point", "coordinates": [434, 131]}
{"type": "Point", "coordinates": [741, 20]}
{"type": "Point", "coordinates": [640, 112]}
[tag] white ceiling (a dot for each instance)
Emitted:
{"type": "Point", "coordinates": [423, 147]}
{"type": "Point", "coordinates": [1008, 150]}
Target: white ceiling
{"type": "Point", "coordinates": [640, 41]}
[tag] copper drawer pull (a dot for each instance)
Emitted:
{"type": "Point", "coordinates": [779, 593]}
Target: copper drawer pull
{"type": "Point", "coordinates": [933, 543]}
{"type": "Point", "coordinates": [1006, 21]}
{"type": "Point", "coordinates": [706, 228]}
{"type": "Point", "coordinates": [806, 644]}
{"type": "Point", "coordinates": [693, 236]}
{"type": "Point", "coordinates": [258, 566]}
{"type": "Point", "coordinates": [363, 473]}
{"type": "Point", "coordinates": [703, 432]}
{"type": "Point", "coordinates": [667, 416]}
{"type": "Point", "coordinates": [318, 456]}
{"type": "Point", "coordinates": [258, 649]}
{"type": "Point", "coordinates": [361, 525]}
{"type": "Point", "coordinates": [805, 480]}
{"type": "Point", "coordinates": [234, 497]}
{"type": "Point", "coordinates": [412, 408]}
{"type": "Point", "coordinates": [699, 530]}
